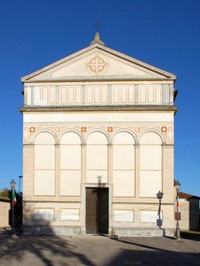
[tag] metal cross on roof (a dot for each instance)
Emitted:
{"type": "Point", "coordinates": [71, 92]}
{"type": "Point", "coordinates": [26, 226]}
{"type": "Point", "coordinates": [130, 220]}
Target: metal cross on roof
{"type": "Point", "coordinates": [97, 25]}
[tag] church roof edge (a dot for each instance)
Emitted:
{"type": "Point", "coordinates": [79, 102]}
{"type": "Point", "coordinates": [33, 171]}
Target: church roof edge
{"type": "Point", "coordinates": [99, 45]}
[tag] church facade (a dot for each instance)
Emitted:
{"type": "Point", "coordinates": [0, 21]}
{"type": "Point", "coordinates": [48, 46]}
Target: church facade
{"type": "Point", "coordinates": [98, 146]}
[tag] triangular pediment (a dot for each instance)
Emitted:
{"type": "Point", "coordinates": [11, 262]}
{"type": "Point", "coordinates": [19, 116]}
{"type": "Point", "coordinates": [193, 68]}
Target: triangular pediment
{"type": "Point", "coordinates": [97, 62]}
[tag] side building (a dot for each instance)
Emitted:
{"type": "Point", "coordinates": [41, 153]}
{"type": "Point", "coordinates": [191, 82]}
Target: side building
{"type": "Point", "coordinates": [190, 211]}
{"type": "Point", "coordinates": [4, 212]}
{"type": "Point", "coordinates": [98, 146]}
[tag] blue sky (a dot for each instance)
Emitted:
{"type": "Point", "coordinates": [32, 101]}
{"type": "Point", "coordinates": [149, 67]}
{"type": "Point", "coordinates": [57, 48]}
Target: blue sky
{"type": "Point", "coordinates": [164, 33]}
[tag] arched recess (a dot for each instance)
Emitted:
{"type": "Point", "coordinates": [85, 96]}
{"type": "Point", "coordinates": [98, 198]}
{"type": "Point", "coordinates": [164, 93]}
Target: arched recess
{"type": "Point", "coordinates": [150, 164]}
{"type": "Point", "coordinates": [124, 165]}
{"type": "Point", "coordinates": [44, 164]}
{"type": "Point", "coordinates": [97, 158]}
{"type": "Point", "coordinates": [70, 164]}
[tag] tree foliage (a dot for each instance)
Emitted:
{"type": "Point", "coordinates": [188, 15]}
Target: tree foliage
{"type": "Point", "coordinates": [4, 193]}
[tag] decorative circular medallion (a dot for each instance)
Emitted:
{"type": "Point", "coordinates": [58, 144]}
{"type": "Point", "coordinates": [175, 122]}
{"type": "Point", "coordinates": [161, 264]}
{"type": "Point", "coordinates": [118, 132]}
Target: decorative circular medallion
{"type": "Point", "coordinates": [32, 129]}
{"type": "Point", "coordinates": [136, 129]}
{"type": "Point", "coordinates": [83, 129]}
{"type": "Point", "coordinates": [164, 129]}
{"type": "Point", "coordinates": [97, 65]}
{"type": "Point", "coordinates": [110, 129]}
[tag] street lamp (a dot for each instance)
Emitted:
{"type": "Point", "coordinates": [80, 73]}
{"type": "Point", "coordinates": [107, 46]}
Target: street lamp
{"type": "Point", "coordinates": [177, 213]}
{"type": "Point", "coordinates": [13, 202]}
{"type": "Point", "coordinates": [20, 177]}
{"type": "Point", "coordinates": [159, 196]}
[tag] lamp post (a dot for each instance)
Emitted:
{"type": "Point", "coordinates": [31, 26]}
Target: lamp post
{"type": "Point", "coordinates": [177, 213]}
{"type": "Point", "coordinates": [12, 185]}
{"type": "Point", "coordinates": [159, 196]}
{"type": "Point", "coordinates": [20, 177]}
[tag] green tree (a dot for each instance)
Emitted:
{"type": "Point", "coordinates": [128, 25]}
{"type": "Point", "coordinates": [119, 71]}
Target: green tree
{"type": "Point", "coordinates": [4, 193]}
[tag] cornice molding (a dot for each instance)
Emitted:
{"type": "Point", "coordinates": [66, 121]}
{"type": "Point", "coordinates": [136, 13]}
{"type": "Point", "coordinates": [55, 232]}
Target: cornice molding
{"type": "Point", "coordinates": [116, 108]}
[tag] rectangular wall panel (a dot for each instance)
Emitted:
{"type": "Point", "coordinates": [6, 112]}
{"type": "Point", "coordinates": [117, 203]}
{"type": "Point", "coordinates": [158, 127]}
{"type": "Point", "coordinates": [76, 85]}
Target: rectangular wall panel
{"type": "Point", "coordinates": [151, 157]}
{"type": "Point", "coordinates": [44, 214]}
{"type": "Point", "coordinates": [70, 157]}
{"type": "Point", "coordinates": [97, 157]}
{"type": "Point", "coordinates": [122, 162]}
{"type": "Point", "coordinates": [44, 182]}
{"type": "Point", "coordinates": [158, 94]}
{"type": "Point", "coordinates": [123, 216]}
{"type": "Point", "coordinates": [123, 183]}
{"type": "Point", "coordinates": [131, 94]}
{"type": "Point", "coordinates": [150, 183]}
{"type": "Point", "coordinates": [104, 94]}
{"type": "Point", "coordinates": [52, 96]}
{"type": "Point", "coordinates": [150, 216]}
{"type": "Point", "coordinates": [70, 182]}
{"type": "Point", "coordinates": [70, 214]}
{"type": "Point", "coordinates": [45, 158]}
{"type": "Point", "coordinates": [151, 94]}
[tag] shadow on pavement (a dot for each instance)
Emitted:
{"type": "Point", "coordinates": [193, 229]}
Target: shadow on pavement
{"type": "Point", "coordinates": [51, 250]}
{"type": "Point", "coordinates": [96, 251]}
{"type": "Point", "coordinates": [151, 251]}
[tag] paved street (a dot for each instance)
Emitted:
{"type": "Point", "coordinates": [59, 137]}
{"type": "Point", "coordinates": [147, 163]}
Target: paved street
{"type": "Point", "coordinates": [96, 251]}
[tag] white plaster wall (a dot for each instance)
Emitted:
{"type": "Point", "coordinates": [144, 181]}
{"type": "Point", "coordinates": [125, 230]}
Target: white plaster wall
{"type": "Point", "coordinates": [111, 117]}
{"type": "Point", "coordinates": [123, 183]}
{"type": "Point", "coordinates": [150, 217]}
{"type": "Point", "coordinates": [70, 214]}
{"type": "Point", "coordinates": [97, 158]}
{"type": "Point", "coordinates": [150, 183]}
{"type": "Point", "coordinates": [124, 216]}
{"type": "Point", "coordinates": [44, 182]}
{"type": "Point", "coordinates": [70, 164]}
{"type": "Point", "coordinates": [44, 156]}
{"type": "Point", "coordinates": [70, 182]}
{"type": "Point", "coordinates": [144, 216]}
{"type": "Point", "coordinates": [44, 165]}
{"type": "Point", "coordinates": [70, 157]}
{"type": "Point", "coordinates": [44, 214]}
{"type": "Point", "coordinates": [123, 165]}
{"type": "Point", "coordinates": [150, 165]}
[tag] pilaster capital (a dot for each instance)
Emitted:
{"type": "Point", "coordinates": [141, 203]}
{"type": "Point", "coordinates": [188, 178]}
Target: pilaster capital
{"type": "Point", "coordinates": [83, 145]}
{"type": "Point", "coordinates": [165, 145]}
{"type": "Point", "coordinates": [30, 145]}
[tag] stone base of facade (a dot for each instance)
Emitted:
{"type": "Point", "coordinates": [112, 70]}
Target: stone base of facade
{"type": "Point", "coordinates": [53, 230]}
{"type": "Point", "coordinates": [143, 232]}
{"type": "Point", "coordinates": [115, 232]}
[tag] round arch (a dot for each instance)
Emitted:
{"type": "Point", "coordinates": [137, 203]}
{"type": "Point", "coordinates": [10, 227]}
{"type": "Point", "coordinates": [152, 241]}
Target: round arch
{"type": "Point", "coordinates": [48, 131]}
{"type": "Point", "coordinates": [71, 131]}
{"type": "Point", "coordinates": [98, 130]}
{"type": "Point", "coordinates": [152, 130]}
{"type": "Point", "coordinates": [124, 130]}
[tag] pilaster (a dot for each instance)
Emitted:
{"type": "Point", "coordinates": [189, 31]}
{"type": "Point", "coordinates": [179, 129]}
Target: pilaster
{"type": "Point", "coordinates": [110, 163]}
{"type": "Point", "coordinates": [83, 163]}
{"type": "Point", "coordinates": [137, 170]}
{"type": "Point", "coordinates": [57, 170]}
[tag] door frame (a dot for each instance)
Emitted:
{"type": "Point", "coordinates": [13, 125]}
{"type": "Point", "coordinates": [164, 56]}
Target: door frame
{"type": "Point", "coordinates": [83, 205]}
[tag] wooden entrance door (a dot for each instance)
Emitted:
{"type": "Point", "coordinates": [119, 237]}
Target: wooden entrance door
{"type": "Point", "coordinates": [96, 210]}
